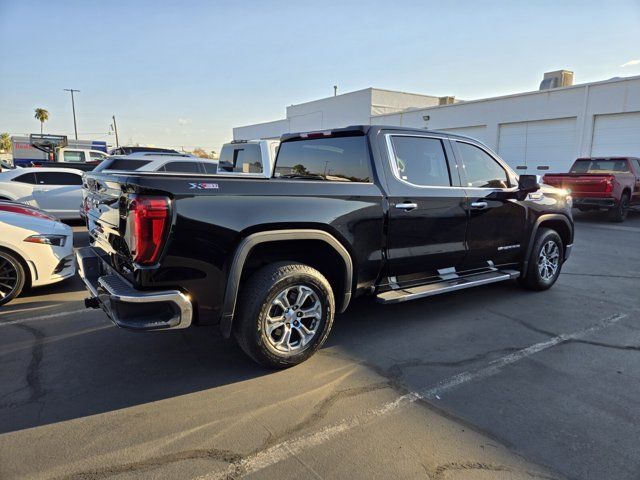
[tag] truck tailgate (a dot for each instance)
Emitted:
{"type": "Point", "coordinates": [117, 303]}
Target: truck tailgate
{"type": "Point", "coordinates": [581, 184]}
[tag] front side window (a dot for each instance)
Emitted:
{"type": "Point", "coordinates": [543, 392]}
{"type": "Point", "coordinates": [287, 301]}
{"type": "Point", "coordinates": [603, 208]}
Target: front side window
{"type": "Point", "coordinates": [481, 170]}
{"type": "Point", "coordinates": [58, 178]}
{"type": "Point", "coordinates": [183, 167]}
{"type": "Point", "coordinates": [338, 159]}
{"type": "Point", "coordinates": [96, 157]}
{"type": "Point", "coordinates": [421, 161]}
{"type": "Point", "coordinates": [71, 156]}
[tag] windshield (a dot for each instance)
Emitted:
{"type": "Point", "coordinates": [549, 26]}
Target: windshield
{"type": "Point", "coordinates": [600, 166]}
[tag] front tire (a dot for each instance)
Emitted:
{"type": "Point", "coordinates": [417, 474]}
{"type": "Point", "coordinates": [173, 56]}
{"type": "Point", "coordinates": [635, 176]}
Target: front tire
{"type": "Point", "coordinates": [619, 212]}
{"type": "Point", "coordinates": [545, 261]}
{"type": "Point", "coordinates": [12, 277]}
{"type": "Point", "coordinates": [285, 313]}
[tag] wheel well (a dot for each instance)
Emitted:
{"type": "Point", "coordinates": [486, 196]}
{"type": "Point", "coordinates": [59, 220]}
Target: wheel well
{"type": "Point", "coordinates": [25, 266]}
{"type": "Point", "coordinates": [314, 253]}
{"type": "Point", "coordinates": [561, 227]}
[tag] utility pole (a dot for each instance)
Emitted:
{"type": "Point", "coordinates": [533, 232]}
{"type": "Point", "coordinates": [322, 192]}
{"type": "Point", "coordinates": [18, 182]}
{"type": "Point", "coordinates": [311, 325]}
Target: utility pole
{"type": "Point", "coordinates": [73, 106]}
{"type": "Point", "coordinates": [115, 129]}
{"type": "Point", "coordinates": [335, 90]}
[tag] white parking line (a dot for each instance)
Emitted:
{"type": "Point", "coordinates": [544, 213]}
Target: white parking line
{"type": "Point", "coordinates": [44, 317]}
{"type": "Point", "coordinates": [281, 451]}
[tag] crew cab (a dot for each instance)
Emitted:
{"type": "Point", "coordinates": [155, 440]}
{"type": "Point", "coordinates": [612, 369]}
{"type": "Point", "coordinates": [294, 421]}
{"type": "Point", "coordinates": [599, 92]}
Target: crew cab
{"type": "Point", "coordinates": [603, 183]}
{"type": "Point", "coordinates": [396, 213]}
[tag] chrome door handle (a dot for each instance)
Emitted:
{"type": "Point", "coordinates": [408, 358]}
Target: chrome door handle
{"type": "Point", "coordinates": [479, 205]}
{"type": "Point", "coordinates": [406, 206]}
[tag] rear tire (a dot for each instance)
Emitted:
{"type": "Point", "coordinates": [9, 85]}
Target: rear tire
{"type": "Point", "coordinates": [285, 313]}
{"type": "Point", "coordinates": [545, 261]}
{"type": "Point", "coordinates": [12, 277]}
{"type": "Point", "coordinates": [619, 212]}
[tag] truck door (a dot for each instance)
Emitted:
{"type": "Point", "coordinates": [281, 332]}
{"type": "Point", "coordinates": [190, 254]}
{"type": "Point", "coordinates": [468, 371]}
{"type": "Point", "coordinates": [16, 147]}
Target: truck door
{"type": "Point", "coordinates": [427, 208]}
{"type": "Point", "coordinates": [494, 234]}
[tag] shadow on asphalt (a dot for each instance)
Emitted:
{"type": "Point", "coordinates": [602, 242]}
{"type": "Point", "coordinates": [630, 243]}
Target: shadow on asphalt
{"type": "Point", "coordinates": [83, 366]}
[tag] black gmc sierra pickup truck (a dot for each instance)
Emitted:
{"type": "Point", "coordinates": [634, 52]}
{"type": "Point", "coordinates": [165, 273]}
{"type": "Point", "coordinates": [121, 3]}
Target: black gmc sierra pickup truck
{"type": "Point", "coordinates": [397, 213]}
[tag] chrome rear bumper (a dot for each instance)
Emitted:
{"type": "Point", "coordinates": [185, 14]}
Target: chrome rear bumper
{"type": "Point", "coordinates": [127, 306]}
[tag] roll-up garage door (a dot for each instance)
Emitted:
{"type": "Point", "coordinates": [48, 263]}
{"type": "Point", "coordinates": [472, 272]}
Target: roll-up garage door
{"type": "Point", "coordinates": [539, 147]}
{"type": "Point", "coordinates": [617, 134]}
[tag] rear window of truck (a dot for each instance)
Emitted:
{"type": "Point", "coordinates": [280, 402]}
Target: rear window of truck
{"type": "Point", "coordinates": [338, 159]}
{"type": "Point", "coordinates": [600, 166]}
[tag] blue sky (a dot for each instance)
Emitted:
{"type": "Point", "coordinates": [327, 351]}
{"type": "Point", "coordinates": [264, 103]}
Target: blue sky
{"type": "Point", "coordinates": [185, 72]}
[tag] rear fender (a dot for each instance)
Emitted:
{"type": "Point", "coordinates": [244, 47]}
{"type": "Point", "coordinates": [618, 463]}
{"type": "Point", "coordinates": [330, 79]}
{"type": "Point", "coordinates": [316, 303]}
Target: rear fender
{"type": "Point", "coordinates": [244, 249]}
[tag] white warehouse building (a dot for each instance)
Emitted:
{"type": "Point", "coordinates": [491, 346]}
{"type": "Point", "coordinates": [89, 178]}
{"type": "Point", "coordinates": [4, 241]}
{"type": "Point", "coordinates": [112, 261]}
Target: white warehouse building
{"type": "Point", "coordinates": [538, 131]}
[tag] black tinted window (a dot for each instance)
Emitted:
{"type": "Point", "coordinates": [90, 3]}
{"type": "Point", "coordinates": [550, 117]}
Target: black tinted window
{"type": "Point", "coordinates": [600, 165]}
{"type": "Point", "coordinates": [421, 161]}
{"type": "Point", "coordinates": [342, 159]}
{"type": "Point", "coordinates": [481, 170]}
{"type": "Point", "coordinates": [184, 167]}
{"type": "Point", "coordinates": [121, 164]}
{"type": "Point", "coordinates": [210, 167]}
{"type": "Point", "coordinates": [243, 158]}
{"type": "Point", "coordinates": [26, 178]}
{"type": "Point", "coordinates": [58, 178]}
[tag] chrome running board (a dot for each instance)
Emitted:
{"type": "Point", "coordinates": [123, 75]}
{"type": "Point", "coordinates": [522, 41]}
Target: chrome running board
{"type": "Point", "coordinates": [460, 283]}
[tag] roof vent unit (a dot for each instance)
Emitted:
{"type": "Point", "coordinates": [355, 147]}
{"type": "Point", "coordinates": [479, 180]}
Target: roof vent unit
{"type": "Point", "coordinates": [446, 100]}
{"type": "Point", "coordinates": [557, 79]}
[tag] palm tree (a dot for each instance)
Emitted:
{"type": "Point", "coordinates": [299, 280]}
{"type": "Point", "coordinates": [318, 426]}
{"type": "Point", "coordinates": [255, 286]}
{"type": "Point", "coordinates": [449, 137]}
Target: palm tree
{"type": "Point", "coordinates": [42, 116]}
{"type": "Point", "coordinates": [5, 142]}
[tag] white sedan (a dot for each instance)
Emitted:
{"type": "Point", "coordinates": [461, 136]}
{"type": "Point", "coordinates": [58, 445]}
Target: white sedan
{"type": "Point", "coordinates": [35, 250]}
{"type": "Point", "coordinates": [55, 190]}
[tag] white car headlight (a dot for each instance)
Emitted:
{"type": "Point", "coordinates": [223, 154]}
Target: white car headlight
{"type": "Point", "coordinates": [57, 240]}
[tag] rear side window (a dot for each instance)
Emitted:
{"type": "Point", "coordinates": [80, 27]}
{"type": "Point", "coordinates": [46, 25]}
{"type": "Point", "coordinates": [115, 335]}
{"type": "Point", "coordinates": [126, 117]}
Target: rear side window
{"type": "Point", "coordinates": [121, 164]}
{"type": "Point", "coordinates": [58, 178]}
{"type": "Point", "coordinates": [74, 157]}
{"type": "Point", "coordinates": [209, 167]}
{"type": "Point", "coordinates": [243, 158]}
{"type": "Point", "coordinates": [183, 167]}
{"type": "Point", "coordinates": [338, 159]}
{"type": "Point", "coordinates": [481, 170]}
{"type": "Point", "coordinates": [421, 161]}
{"type": "Point", "coordinates": [26, 178]}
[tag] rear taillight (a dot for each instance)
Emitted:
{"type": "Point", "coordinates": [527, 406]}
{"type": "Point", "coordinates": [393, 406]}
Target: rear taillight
{"type": "Point", "coordinates": [608, 185]}
{"type": "Point", "coordinates": [148, 224]}
{"type": "Point", "coordinates": [24, 210]}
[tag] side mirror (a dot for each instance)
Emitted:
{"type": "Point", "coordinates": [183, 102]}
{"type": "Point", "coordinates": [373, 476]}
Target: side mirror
{"type": "Point", "coordinates": [528, 183]}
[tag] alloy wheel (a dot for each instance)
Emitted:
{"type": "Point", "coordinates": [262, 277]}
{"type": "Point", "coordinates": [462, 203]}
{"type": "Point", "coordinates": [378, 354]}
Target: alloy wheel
{"type": "Point", "coordinates": [548, 260]}
{"type": "Point", "coordinates": [8, 277]}
{"type": "Point", "coordinates": [293, 319]}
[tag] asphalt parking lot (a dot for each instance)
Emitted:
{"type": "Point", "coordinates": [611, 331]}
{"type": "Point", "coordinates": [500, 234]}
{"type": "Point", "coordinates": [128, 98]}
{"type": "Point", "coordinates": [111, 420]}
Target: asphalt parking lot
{"type": "Point", "coordinates": [493, 382]}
